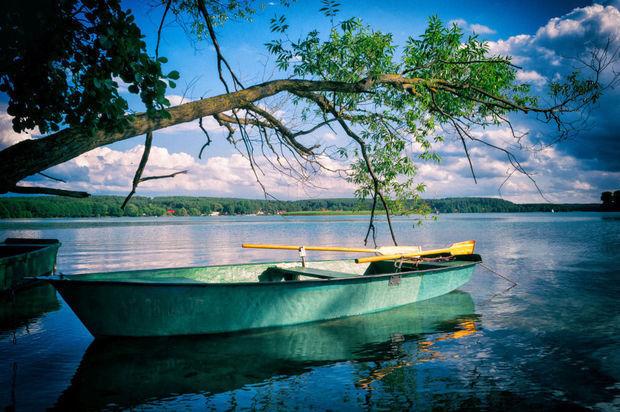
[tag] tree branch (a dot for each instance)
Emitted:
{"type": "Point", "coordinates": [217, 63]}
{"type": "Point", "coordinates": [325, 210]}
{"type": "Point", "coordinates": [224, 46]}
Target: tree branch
{"type": "Point", "coordinates": [137, 177]}
{"type": "Point", "coordinates": [208, 142]}
{"type": "Point", "coordinates": [182, 172]}
{"type": "Point", "coordinates": [32, 190]}
{"type": "Point", "coordinates": [280, 127]}
{"type": "Point", "coordinates": [34, 155]}
{"type": "Point", "coordinates": [327, 106]}
{"type": "Point", "coordinates": [220, 57]}
{"type": "Point", "coordinates": [161, 26]}
{"type": "Point", "coordinates": [52, 177]}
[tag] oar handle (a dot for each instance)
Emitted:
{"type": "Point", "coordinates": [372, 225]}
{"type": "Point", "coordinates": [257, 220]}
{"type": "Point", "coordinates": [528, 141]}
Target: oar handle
{"type": "Point", "coordinates": [315, 248]}
{"type": "Point", "coordinates": [401, 256]}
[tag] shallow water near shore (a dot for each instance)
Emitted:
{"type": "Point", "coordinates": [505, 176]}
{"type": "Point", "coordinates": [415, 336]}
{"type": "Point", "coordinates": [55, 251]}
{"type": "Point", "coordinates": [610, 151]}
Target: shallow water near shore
{"type": "Point", "coordinates": [551, 342]}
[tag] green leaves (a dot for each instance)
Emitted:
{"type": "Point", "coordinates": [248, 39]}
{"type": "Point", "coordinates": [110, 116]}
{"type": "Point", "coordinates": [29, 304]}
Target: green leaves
{"type": "Point", "coordinates": [61, 62]}
{"type": "Point", "coordinates": [278, 24]}
{"type": "Point", "coordinates": [451, 78]}
{"type": "Point", "coordinates": [330, 8]}
{"type": "Point", "coordinates": [349, 54]}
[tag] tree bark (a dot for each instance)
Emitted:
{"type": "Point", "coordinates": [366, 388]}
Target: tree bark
{"type": "Point", "coordinates": [32, 156]}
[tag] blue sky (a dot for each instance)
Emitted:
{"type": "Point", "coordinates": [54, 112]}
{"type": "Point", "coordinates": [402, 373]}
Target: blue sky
{"type": "Point", "coordinates": [540, 34]}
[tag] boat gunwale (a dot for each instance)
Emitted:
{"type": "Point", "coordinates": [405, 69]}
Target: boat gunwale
{"type": "Point", "coordinates": [71, 279]}
{"type": "Point", "coordinates": [40, 248]}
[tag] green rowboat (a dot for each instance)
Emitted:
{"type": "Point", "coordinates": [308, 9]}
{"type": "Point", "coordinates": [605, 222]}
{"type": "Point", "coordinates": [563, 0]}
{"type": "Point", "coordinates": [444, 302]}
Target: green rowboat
{"type": "Point", "coordinates": [24, 258]}
{"type": "Point", "coordinates": [230, 298]}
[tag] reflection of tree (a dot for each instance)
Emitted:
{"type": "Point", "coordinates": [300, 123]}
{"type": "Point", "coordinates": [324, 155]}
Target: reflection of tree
{"type": "Point", "coordinates": [465, 327]}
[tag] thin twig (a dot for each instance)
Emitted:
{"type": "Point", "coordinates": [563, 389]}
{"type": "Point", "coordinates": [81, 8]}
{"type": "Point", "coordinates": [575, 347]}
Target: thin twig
{"type": "Point", "coordinates": [148, 141]}
{"type": "Point", "coordinates": [161, 25]}
{"type": "Point", "coordinates": [52, 177]}
{"type": "Point", "coordinates": [182, 172]}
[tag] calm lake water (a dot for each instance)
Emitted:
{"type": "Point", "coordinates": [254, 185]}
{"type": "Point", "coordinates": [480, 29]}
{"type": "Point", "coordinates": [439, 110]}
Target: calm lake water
{"type": "Point", "coordinates": [552, 342]}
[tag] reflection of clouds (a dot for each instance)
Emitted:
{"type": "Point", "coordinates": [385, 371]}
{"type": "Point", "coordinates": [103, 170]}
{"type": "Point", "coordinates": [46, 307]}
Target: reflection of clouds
{"type": "Point", "coordinates": [23, 233]}
{"type": "Point", "coordinates": [177, 242]}
{"type": "Point", "coordinates": [132, 247]}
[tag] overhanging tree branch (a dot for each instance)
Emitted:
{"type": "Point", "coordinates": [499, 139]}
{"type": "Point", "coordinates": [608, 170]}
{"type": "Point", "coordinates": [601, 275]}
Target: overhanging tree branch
{"type": "Point", "coordinates": [34, 190]}
{"type": "Point", "coordinates": [32, 156]}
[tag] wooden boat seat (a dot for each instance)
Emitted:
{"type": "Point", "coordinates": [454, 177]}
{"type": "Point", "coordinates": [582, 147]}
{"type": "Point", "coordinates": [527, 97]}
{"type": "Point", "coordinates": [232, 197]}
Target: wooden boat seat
{"type": "Point", "coordinates": [315, 273]}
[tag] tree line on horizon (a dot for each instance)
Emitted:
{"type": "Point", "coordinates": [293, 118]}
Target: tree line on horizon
{"type": "Point", "coordinates": [110, 206]}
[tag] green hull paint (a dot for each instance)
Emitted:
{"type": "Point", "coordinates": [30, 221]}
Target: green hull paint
{"type": "Point", "coordinates": [195, 301]}
{"type": "Point", "coordinates": [21, 258]}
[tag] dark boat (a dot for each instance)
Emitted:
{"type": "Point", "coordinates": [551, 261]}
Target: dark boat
{"type": "Point", "coordinates": [22, 258]}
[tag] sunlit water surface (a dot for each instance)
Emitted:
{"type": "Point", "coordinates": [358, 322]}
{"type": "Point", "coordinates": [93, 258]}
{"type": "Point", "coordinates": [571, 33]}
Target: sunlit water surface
{"type": "Point", "coordinates": [552, 342]}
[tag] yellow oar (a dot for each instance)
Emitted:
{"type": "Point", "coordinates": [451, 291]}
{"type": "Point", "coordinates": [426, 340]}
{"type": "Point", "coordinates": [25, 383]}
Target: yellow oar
{"type": "Point", "coordinates": [460, 248]}
{"type": "Point", "coordinates": [382, 250]}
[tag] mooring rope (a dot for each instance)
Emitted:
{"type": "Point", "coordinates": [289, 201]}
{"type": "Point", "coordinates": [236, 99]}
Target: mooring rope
{"type": "Point", "coordinates": [513, 284]}
{"type": "Point", "coordinates": [500, 275]}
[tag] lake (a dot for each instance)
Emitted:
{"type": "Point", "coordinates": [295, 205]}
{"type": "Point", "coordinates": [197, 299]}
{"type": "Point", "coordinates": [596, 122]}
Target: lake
{"type": "Point", "coordinates": [552, 342]}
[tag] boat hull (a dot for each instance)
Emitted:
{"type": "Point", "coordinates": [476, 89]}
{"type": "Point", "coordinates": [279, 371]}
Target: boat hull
{"type": "Point", "coordinates": [117, 308]}
{"type": "Point", "coordinates": [23, 258]}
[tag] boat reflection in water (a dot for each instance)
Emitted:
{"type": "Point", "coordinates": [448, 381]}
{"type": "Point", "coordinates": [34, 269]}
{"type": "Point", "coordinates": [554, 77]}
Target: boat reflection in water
{"type": "Point", "coordinates": [130, 372]}
{"type": "Point", "coordinates": [26, 306]}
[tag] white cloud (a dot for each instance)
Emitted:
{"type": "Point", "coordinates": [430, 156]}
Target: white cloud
{"type": "Point", "coordinates": [481, 29]}
{"type": "Point", "coordinates": [552, 53]}
{"type": "Point", "coordinates": [592, 21]}
{"type": "Point", "coordinates": [209, 123]}
{"type": "Point", "coordinates": [176, 100]}
{"type": "Point", "coordinates": [330, 136]}
{"type": "Point", "coordinates": [105, 170]}
{"type": "Point", "coordinates": [532, 77]}
{"type": "Point", "coordinates": [122, 86]}
{"type": "Point", "coordinates": [472, 27]}
{"type": "Point", "coordinates": [562, 177]}
{"type": "Point", "coordinates": [562, 38]}
{"type": "Point", "coordinates": [7, 136]}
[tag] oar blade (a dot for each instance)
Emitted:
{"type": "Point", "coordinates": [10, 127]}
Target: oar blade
{"type": "Point", "coordinates": [460, 248]}
{"type": "Point", "coordinates": [463, 248]}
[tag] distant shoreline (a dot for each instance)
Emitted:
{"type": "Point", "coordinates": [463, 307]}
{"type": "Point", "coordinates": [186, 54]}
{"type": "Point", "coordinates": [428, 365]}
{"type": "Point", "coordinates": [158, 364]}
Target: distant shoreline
{"type": "Point", "coordinates": [110, 206]}
{"type": "Point", "coordinates": [328, 213]}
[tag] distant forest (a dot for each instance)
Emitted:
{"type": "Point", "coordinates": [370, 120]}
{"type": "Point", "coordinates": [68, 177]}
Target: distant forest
{"type": "Point", "coordinates": [103, 206]}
